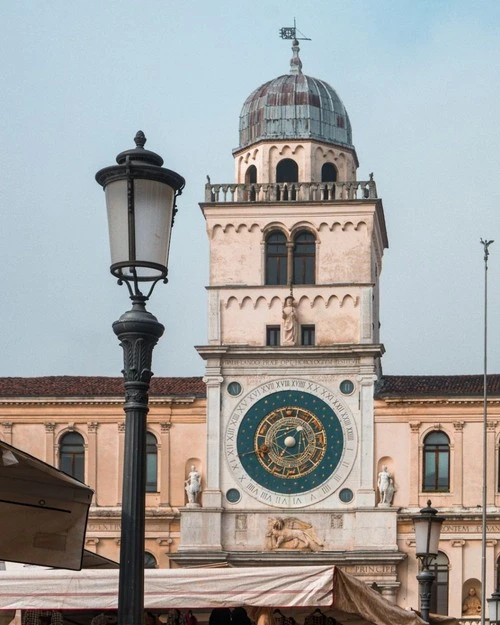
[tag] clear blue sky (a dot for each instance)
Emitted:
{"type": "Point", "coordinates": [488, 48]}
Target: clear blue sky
{"type": "Point", "coordinates": [421, 83]}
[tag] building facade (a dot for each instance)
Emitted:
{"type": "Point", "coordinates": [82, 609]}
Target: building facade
{"type": "Point", "coordinates": [307, 454]}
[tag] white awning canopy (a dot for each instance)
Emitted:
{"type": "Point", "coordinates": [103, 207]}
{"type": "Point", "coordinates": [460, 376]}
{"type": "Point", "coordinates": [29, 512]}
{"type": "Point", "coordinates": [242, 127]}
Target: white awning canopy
{"type": "Point", "coordinates": [299, 589]}
{"type": "Point", "coordinates": [44, 512]}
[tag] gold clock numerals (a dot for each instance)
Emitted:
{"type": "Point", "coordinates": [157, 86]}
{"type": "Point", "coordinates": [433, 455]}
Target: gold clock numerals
{"type": "Point", "coordinates": [290, 442]}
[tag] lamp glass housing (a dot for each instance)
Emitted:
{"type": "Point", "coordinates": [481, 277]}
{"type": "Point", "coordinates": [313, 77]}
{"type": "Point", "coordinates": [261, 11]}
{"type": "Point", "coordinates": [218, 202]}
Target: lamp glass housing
{"type": "Point", "coordinates": [140, 241]}
{"type": "Point", "coordinates": [427, 532]}
{"type": "Point", "coordinates": [494, 608]}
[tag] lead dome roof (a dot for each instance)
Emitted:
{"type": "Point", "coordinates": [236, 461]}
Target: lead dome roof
{"type": "Point", "coordinates": [295, 106]}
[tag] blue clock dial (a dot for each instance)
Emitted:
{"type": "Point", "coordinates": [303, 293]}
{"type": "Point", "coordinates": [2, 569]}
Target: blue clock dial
{"type": "Point", "coordinates": [290, 442]}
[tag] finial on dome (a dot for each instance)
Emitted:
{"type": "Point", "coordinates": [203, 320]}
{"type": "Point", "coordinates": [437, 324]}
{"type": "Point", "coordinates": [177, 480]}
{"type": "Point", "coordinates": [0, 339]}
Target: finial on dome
{"type": "Point", "coordinates": [295, 62]}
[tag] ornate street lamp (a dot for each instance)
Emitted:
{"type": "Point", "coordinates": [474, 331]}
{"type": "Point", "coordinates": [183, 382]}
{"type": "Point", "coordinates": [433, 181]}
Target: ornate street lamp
{"type": "Point", "coordinates": [494, 608]}
{"type": "Point", "coordinates": [140, 199]}
{"type": "Point", "coordinates": [427, 531]}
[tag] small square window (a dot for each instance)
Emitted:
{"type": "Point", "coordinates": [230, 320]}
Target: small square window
{"type": "Point", "coordinates": [273, 335]}
{"type": "Point", "coordinates": [307, 335]}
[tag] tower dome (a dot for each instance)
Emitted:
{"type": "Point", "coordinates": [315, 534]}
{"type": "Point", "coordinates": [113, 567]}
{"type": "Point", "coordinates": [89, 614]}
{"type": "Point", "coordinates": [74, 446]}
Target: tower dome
{"type": "Point", "coordinates": [295, 106]}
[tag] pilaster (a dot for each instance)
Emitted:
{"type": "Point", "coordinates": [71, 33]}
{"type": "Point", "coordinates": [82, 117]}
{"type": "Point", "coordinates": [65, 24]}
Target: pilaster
{"type": "Point", "coordinates": [121, 452]}
{"type": "Point", "coordinates": [414, 464]}
{"type": "Point", "coordinates": [92, 458]}
{"type": "Point", "coordinates": [458, 483]}
{"type": "Point", "coordinates": [7, 432]}
{"type": "Point", "coordinates": [212, 494]}
{"type": "Point", "coordinates": [366, 493]}
{"type": "Point", "coordinates": [165, 464]}
{"type": "Point", "coordinates": [50, 443]}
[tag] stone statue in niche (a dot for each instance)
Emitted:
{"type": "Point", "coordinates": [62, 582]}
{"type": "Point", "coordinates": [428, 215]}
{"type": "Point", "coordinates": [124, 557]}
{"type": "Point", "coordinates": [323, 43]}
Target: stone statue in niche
{"type": "Point", "coordinates": [292, 534]}
{"type": "Point", "coordinates": [472, 604]}
{"type": "Point", "coordinates": [193, 486]}
{"type": "Point", "coordinates": [290, 322]}
{"type": "Point", "coordinates": [385, 487]}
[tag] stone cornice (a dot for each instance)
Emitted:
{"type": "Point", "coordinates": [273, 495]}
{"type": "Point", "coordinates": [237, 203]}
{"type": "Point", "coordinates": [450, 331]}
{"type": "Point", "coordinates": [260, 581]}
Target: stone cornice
{"type": "Point", "coordinates": [94, 401]}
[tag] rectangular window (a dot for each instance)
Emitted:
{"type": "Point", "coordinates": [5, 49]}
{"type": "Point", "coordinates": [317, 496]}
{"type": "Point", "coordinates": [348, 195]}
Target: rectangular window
{"type": "Point", "coordinates": [307, 335]}
{"type": "Point", "coordinates": [273, 335]}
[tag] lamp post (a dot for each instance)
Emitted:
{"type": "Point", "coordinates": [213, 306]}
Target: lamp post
{"type": "Point", "coordinates": [140, 199]}
{"type": "Point", "coordinates": [494, 608]}
{"type": "Point", "coordinates": [427, 529]}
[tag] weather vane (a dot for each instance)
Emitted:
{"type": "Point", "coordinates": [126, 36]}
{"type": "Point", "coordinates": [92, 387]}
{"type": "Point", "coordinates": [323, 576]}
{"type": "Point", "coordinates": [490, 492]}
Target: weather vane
{"type": "Point", "coordinates": [290, 32]}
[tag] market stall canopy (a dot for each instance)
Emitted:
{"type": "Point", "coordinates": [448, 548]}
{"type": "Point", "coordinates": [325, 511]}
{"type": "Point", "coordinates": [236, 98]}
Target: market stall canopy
{"type": "Point", "coordinates": [43, 512]}
{"type": "Point", "coordinates": [296, 589]}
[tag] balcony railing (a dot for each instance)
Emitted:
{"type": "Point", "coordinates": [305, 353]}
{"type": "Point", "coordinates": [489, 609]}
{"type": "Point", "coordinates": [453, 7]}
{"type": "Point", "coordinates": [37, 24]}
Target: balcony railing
{"type": "Point", "coordinates": [291, 191]}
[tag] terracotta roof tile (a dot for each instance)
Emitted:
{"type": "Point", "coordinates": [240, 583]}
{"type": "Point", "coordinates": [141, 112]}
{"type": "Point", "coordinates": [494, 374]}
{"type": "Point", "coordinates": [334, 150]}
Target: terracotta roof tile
{"type": "Point", "coordinates": [435, 385]}
{"type": "Point", "coordinates": [80, 386]}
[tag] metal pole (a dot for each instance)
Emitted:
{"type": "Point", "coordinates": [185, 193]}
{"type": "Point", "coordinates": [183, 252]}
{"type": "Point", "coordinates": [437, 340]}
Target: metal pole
{"type": "Point", "coordinates": [138, 332]}
{"type": "Point", "coordinates": [485, 245]}
{"type": "Point", "coordinates": [425, 579]}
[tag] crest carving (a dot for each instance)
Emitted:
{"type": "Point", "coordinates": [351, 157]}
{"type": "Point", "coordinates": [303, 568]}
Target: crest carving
{"type": "Point", "coordinates": [292, 534]}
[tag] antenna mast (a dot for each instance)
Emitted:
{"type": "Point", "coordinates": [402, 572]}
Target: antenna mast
{"type": "Point", "coordinates": [290, 32]}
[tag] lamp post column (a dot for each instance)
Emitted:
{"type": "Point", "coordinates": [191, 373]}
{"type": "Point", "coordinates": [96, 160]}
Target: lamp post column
{"type": "Point", "coordinates": [425, 579]}
{"type": "Point", "coordinates": [138, 332]}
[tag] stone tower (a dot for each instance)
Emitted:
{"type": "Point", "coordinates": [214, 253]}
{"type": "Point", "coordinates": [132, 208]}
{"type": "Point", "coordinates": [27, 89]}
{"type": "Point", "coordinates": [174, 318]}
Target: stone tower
{"type": "Point", "coordinates": [293, 351]}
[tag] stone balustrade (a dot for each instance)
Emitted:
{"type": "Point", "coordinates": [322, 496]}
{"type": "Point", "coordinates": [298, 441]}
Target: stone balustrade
{"type": "Point", "coordinates": [291, 191]}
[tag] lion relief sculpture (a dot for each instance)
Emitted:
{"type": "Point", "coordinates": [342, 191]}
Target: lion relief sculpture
{"type": "Point", "coordinates": [293, 534]}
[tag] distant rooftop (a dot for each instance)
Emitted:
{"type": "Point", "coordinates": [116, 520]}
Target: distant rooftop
{"type": "Point", "coordinates": [435, 385]}
{"type": "Point", "coordinates": [93, 386]}
{"type": "Point", "coordinates": [96, 386]}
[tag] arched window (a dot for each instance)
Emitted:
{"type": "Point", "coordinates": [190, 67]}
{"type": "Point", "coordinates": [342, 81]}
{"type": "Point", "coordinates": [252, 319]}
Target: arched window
{"type": "Point", "coordinates": [439, 588]}
{"type": "Point", "coordinates": [276, 258]}
{"type": "Point", "coordinates": [251, 178]}
{"type": "Point", "coordinates": [151, 463]}
{"type": "Point", "coordinates": [436, 462]}
{"type": "Point", "coordinates": [287, 170]}
{"type": "Point", "coordinates": [149, 561]}
{"type": "Point", "coordinates": [304, 258]}
{"type": "Point", "coordinates": [251, 175]}
{"type": "Point", "coordinates": [72, 455]}
{"type": "Point", "coordinates": [328, 174]}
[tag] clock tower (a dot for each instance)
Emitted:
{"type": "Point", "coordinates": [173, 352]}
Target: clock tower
{"type": "Point", "coordinates": [293, 352]}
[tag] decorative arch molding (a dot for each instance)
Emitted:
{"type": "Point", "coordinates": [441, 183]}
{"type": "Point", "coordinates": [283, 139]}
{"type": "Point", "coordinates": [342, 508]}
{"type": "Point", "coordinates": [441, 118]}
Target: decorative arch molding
{"type": "Point", "coordinates": [248, 301]}
{"type": "Point", "coordinates": [69, 429]}
{"type": "Point", "coordinates": [338, 226]}
{"type": "Point", "coordinates": [219, 229]}
{"type": "Point", "coordinates": [273, 226]}
{"type": "Point", "coordinates": [249, 156]}
{"type": "Point", "coordinates": [304, 225]}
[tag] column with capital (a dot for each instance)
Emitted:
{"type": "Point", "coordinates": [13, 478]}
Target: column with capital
{"type": "Point", "coordinates": [212, 496]}
{"type": "Point", "coordinates": [456, 575]}
{"type": "Point", "coordinates": [458, 473]}
{"type": "Point", "coordinates": [7, 432]}
{"type": "Point", "coordinates": [92, 458]}
{"type": "Point", "coordinates": [415, 465]}
{"type": "Point", "coordinates": [366, 492]}
{"type": "Point", "coordinates": [49, 443]}
{"type": "Point", "coordinates": [490, 447]}
{"type": "Point", "coordinates": [165, 464]}
{"type": "Point", "coordinates": [121, 452]}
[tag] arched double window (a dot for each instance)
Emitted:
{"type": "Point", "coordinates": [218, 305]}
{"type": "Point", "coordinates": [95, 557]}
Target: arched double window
{"type": "Point", "coordinates": [439, 588]}
{"type": "Point", "coordinates": [290, 264]}
{"type": "Point", "coordinates": [304, 258]}
{"type": "Point", "coordinates": [436, 476]}
{"type": "Point", "coordinates": [72, 455]}
{"type": "Point", "coordinates": [151, 463]}
{"type": "Point", "coordinates": [276, 258]}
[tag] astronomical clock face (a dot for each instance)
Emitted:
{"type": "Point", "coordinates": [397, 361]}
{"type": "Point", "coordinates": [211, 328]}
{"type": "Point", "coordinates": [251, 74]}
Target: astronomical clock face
{"type": "Point", "coordinates": [290, 443]}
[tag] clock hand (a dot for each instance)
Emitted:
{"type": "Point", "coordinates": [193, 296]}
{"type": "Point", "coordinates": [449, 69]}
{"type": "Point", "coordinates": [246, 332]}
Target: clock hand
{"type": "Point", "coordinates": [263, 449]}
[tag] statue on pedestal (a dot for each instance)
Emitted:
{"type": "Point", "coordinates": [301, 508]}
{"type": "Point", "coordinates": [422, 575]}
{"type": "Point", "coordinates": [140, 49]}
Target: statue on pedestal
{"type": "Point", "coordinates": [193, 486]}
{"type": "Point", "coordinates": [385, 487]}
{"type": "Point", "coordinates": [290, 322]}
